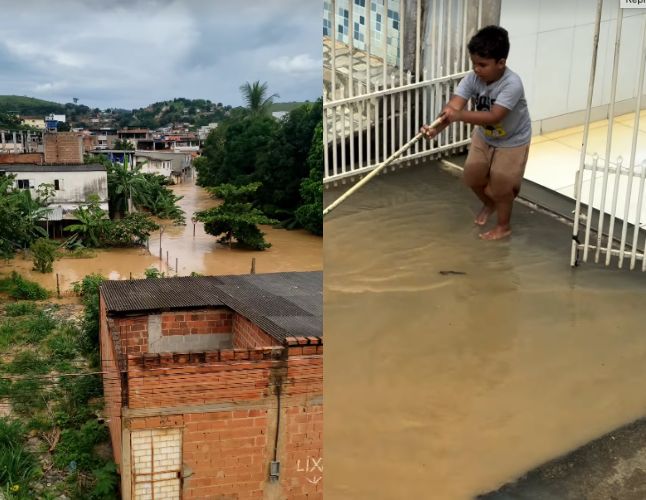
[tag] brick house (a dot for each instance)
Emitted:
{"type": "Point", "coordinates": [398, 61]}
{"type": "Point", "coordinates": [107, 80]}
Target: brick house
{"type": "Point", "coordinates": [214, 385]}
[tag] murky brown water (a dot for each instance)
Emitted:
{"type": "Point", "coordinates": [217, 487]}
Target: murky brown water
{"type": "Point", "coordinates": [446, 386]}
{"type": "Point", "coordinates": [290, 251]}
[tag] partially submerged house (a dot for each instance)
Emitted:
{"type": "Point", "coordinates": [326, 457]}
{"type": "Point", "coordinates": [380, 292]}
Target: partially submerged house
{"type": "Point", "coordinates": [71, 186]}
{"type": "Point", "coordinates": [214, 385]}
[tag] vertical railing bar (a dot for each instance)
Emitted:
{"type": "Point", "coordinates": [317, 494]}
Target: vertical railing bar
{"type": "Point", "coordinates": [611, 119]}
{"type": "Point", "coordinates": [418, 56]}
{"type": "Point", "coordinates": [633, 149]}
{"type": "Point", "coordinates": [384, 27]}
{"type": "Point", "coordinates": [613, 210]}
{"type": "Point", "coordinates": [326, 146]}
{"type": "Point", "coordinates": [431, 48]}
{"type": "Point", "coordinates": [342, 135]}
{"type": "Point", "coordinates": [402, 38]}
{"type": "Point", "coordinates": [333, 49]}
{"type": "Point", "coordinates": [408, 110]}
{"type": "Point", "coordinates": [586, 128]}
{"type": "Point", "coordinates": [335, 159]}
{"type": "Point", "coordinates": [425, 119]}
{"type": "Point", "coordinates": [588, 221]}
{"type": "Point", "coordinates": [479, 14]}
{"type": "Point", "coordinates": [418, 38]}
{"type": "Point", "coordinates": [393, 135]}
{"type": "Point", "coordinates": [637, 223]}
{"type": "Point", "coordinates": [333, 128]}
{"type": "Point", "coordinates": [351, 82]}
{"type": "Point", "coordinates": [368, 77]}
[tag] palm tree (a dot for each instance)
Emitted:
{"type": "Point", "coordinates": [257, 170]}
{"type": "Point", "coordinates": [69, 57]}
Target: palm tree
{"type": "Point", "coordinates": [255, 96]}
{"type": "Point", "coordinates": [125, 184]}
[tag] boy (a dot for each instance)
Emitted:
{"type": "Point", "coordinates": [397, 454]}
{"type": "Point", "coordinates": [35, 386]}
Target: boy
{"type": "Point", "coordinates": [500, 144]}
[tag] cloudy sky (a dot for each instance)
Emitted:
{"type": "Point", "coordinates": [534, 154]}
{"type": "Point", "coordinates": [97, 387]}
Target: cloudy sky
{"type": "Point", "coordinates": [131, 53]}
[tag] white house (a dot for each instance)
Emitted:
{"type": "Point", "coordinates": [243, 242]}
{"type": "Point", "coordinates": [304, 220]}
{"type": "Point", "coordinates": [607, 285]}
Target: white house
{"type": "Point", "coordinates": [174, 165]}
{"type": "Point", "coordinates": [72, 185]}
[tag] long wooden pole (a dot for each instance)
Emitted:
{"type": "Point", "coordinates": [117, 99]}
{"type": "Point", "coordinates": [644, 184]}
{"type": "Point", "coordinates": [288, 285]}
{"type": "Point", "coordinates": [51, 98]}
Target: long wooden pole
{"type": "Point", "coordinates": [379, 168]}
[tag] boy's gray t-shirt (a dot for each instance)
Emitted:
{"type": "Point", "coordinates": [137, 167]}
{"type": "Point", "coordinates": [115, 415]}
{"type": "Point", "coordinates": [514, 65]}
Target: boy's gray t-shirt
{"type": "Point", "coordinates": [516, 128]}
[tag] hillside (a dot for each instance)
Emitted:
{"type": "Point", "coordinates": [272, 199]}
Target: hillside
{"type": "Point", "coordinates": [28, 105]}
{"type": "Point", "coordinates": [196, 112]}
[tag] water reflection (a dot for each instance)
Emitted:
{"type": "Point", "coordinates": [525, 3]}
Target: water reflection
{"type": "Point", "coordinates": [445, 385]}
{"type": "Point", "coordinates": [295, 250]}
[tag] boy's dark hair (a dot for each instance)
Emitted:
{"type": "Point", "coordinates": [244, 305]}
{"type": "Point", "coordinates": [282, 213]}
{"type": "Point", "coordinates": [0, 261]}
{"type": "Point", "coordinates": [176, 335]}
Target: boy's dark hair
{"type": "Point", "coordinates": [491, 42]}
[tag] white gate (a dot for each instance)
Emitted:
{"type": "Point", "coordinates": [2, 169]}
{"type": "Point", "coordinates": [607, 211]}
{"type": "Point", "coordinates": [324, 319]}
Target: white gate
{"type": "Point", "coordinates": [389, 67]}
{"type": "Point", "coordinates": [610, 196]}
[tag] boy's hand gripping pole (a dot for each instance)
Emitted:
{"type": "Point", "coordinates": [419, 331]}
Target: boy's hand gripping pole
{"type": "Point", "coordinates": [380, 167]}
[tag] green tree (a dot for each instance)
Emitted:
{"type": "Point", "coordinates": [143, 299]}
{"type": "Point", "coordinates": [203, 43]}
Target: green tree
{"type": "Point", "coordinates": [21, 216]}
{"type": "Point", "coordinates": [124, 185]}
{"type": "Point", "coordinates": [256, 98]}
{"type": "Point", "coordinates": [236, 218]}
{"type": "Point", "coordinates": [92, 222]}
{"type": "Point", "coordinates": [124, 145]}
{"type": "Point", "coordinates": [310, 213]}
{"type": "Point", "coordinates": [44, 254]}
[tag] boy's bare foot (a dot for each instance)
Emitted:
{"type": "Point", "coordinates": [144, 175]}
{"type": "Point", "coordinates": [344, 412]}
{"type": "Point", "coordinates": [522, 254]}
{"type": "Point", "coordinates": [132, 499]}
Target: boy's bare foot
{"type": "Point", "coordinates": [482, 218]}
{"type": "Point", "coordinates": [497, 233]}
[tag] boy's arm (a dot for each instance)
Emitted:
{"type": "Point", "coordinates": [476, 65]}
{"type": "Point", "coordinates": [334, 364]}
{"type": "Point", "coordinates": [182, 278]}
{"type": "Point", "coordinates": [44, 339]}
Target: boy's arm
{"type": "Point", "coordinates": [455, 103]}
{"type": "Point", "coordinates": [495, 115]}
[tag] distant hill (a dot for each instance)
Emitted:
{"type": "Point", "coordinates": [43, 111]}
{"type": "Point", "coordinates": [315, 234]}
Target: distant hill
{"type": "Point", "coordinates": [28, 105]}
{"type": "Point", "coordinates": [285, 106]}
{"type": "Point", "coordinates": [196, 112]}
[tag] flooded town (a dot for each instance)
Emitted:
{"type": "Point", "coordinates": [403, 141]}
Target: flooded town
{"type": "Point", "coordinates": [352, 250]}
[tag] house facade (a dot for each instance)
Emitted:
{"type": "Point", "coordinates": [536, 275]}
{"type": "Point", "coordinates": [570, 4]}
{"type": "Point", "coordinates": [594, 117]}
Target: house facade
{"type": "Point", "coordinates": [71, 185]}
{"type": "Point", "coordinates": [213, 385]}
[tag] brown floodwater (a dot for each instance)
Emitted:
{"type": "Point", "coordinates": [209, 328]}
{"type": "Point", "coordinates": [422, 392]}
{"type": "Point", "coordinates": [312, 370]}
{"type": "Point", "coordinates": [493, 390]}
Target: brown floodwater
{"type": "Point", "coordinates": [442, 385]}
{"type": "Point", "coordinates": [295, 250]}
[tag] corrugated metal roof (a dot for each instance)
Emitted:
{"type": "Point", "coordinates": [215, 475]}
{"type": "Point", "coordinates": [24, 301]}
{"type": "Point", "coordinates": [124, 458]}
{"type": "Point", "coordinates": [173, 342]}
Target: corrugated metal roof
{"type": "Point", "coordinates": [282, 304]}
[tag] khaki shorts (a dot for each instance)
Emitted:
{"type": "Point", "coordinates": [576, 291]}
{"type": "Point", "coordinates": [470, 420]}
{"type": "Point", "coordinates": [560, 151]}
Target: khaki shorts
{"type": "Point", "coordinates": [500, 169]}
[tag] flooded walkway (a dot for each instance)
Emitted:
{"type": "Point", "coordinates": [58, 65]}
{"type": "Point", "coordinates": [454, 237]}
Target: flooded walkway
{"type": "Point", "coordinates": [295, 250]}
{"type": "Point", "coordinates": [454, 365]}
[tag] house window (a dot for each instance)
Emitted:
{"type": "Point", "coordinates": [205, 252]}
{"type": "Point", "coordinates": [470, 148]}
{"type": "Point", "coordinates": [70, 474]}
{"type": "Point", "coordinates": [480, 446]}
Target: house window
{"type": "Point", "coordinates": [23, 183]}
{"type": "Point", "coordinates": [57, 185]}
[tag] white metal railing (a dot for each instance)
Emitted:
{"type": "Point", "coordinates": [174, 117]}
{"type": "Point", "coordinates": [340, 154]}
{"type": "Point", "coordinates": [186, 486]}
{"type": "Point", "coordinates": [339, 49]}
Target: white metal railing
{"type": "Point", "coordinates": [620, 215]}
{"type": "Point", "coordinates": [597, 199]}
{"type": "Point", "coordinates": [381, 90]}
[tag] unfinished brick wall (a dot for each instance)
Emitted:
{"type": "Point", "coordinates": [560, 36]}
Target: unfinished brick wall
{"type": "Point", "coordinates": [21, 159]}
{"type": "Point", "coordinates": [302, 475]}
{"type": "Point", "coordinates": [63, 148]}
{"type": "Point", "coordinates": [89, 143]}
{"type": "Point", "coordinates": [133, 332]}
{"type": "Point", "coordinates": [177, 379]}
{"type": "Point", "coordinates": [247, 334]}
{"type": "Point", "coordinates": [217, 320]}
{"type": "Point", "coordinates": [111, 382]}
{"type": "Point", "coordinates": [228, 451]}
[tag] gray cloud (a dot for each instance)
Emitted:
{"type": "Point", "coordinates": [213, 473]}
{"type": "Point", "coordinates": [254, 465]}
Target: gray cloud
{"type": "Point", "coordinates": [131, 53]}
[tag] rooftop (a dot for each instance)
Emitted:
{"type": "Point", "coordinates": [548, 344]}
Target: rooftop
{"type": "Point", "coordinates": [282, 304]}
{"type": "Point", "coordinates": [93, 167]}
